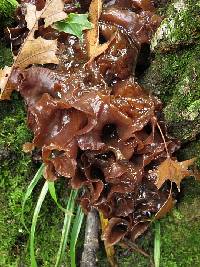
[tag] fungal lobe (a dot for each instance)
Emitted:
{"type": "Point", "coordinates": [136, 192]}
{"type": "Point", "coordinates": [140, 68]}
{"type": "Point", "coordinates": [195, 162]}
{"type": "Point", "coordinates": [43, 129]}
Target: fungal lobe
{"type": "Point", "coordinates": [92, 121]}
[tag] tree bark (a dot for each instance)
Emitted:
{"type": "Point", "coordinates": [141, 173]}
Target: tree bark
{"type": "Point", "coordinates": [91, 244]}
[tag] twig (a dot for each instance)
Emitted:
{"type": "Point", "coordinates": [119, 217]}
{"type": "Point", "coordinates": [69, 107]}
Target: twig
{"type": "Point", "coordinates": [168, 156]}
{"type": "Point", "coordinates": [126, 243]}
{"type": "Point", "coordinates": [91, 243]}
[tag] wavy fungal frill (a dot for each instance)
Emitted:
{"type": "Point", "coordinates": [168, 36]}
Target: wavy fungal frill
{"type": "Point", "coordinates": [93, 122]}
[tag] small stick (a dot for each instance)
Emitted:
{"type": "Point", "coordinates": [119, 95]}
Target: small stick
{"type": "Point", "coordinates": [91, 243]}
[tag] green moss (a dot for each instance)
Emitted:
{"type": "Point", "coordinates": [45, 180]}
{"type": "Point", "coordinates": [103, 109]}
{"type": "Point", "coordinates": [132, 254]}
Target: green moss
{"type": "Point", "coordinates": [180, 27]}
{"type": "Point", "coordinates": [167, 70]}
{"type": "Point", "coordinates": [5, 56]}
{"type": "Point", "coordinates": [175, 76]}
{"type": "Point", "coordinates": [175, 79]}
{"type": "Point", "coordinates": [191, 150]}
{"type": "Point", "coordinates": [162, 7]}
{"type": "Point", "coordinates": [7, 8]}
{"type": "Point", "coordinates": [16, 172]}
{"type": "Point", "coordinates": [180, 236]}
{"type": "Point", "coordinates": [184, 106]}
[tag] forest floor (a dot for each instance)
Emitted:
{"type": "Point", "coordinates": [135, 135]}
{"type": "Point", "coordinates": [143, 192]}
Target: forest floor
{"type": "Point", "coordinates": [174, 76]}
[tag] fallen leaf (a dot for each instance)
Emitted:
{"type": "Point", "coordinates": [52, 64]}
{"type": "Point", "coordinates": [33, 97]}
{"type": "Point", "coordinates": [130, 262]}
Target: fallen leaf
{"type": "Point", "coordinates": [28, 147]}
{"type": "Point", "coordinates": [167, 206]}
{"type": "Point", "coordinates": [37, 51]}
{"type": "Point", "coordinates": [92, 36]}
{"type": "Point", "coordinates": [31, 16]}
{"type": "Point", "coordinates": [52, 12]}
{"type": "Point", "coordinates": [110, 251]}
{"type": "Point", "coordinates": [4, 75]}
{"type": "Point", "coordinates": [173, 170]}
{"type": "Point", "coordinates": [139, 229]}
{"type": "Point", "coordinates": [74, 24]}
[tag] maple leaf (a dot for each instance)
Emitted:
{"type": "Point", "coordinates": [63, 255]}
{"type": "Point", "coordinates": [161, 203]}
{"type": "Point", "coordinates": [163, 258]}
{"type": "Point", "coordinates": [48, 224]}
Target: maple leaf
{"type": "Point", "coordinates": [74, 24]}
{"type": "Point", "coordinates": [173, 170]}
{"type": "Point", "coordinates": [92, 36]}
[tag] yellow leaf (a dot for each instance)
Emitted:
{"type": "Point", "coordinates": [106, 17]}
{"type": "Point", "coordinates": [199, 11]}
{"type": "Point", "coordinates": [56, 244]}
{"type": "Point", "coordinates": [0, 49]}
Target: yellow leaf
{"type": "Point", "coordinates": [110, 251]}
{"type": "Point", "coordinates": [173, 170]}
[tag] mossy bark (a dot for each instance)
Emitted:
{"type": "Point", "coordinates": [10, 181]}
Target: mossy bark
{"type": "Point", "coordinates": [174, 76]}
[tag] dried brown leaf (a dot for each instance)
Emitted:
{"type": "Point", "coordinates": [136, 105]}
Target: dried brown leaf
{"type": "Point", "coordinates": [52, 12]}
{"type": "Point", "coordinates": [28, 147]}
{"type": "Point", "coordinates": [4, 75]}
{"type": "Point", "coordinates": [35, 51]}
{"type": "Point", "coordinates": [173, 170]}
{"type": "Point", "coordinates": [167, 207]}
{"type": "Point", "coordinates": [31, 16]}
{"type": "Point", "coordinates": [92, 36]}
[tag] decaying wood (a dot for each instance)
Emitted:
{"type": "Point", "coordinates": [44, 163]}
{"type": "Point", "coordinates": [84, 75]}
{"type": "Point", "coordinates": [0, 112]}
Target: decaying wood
{"type": "Point", "coordinates": [91, 243]}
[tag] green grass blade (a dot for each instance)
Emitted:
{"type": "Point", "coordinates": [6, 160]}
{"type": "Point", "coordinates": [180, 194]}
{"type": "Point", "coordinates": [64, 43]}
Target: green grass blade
{"type": "Point", "coordinates": [157, 245]}
{"type": "Point", "coordinates": [34, 221]}
{"type": "Point", "coordinates": [29, 191]}
{"type": "Point", "coordinates": [75, 233]}
{"type": "Point", "coordinates": [52, 192]}
{"type": "Point", "coordinates": [66, 227]}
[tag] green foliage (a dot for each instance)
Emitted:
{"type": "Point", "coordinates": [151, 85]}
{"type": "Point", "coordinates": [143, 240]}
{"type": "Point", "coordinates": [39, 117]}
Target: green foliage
{"type": "Point", "coordinates": [30, 188]}
{"type": "Point", "coordinates": [74, 24]}
{"type": "Point", "coordinates": [34, 222]}
{"type": "Point", "coordinates": [66, 227]}
{"type": "Point", "coordinates": [5, 56]}
{"type": "Point", "coordinates": [77, 223]}
{"type": "Point", "coordinates": [53, 194]}
{"type": "Point", "coordinates": [7, 8]}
